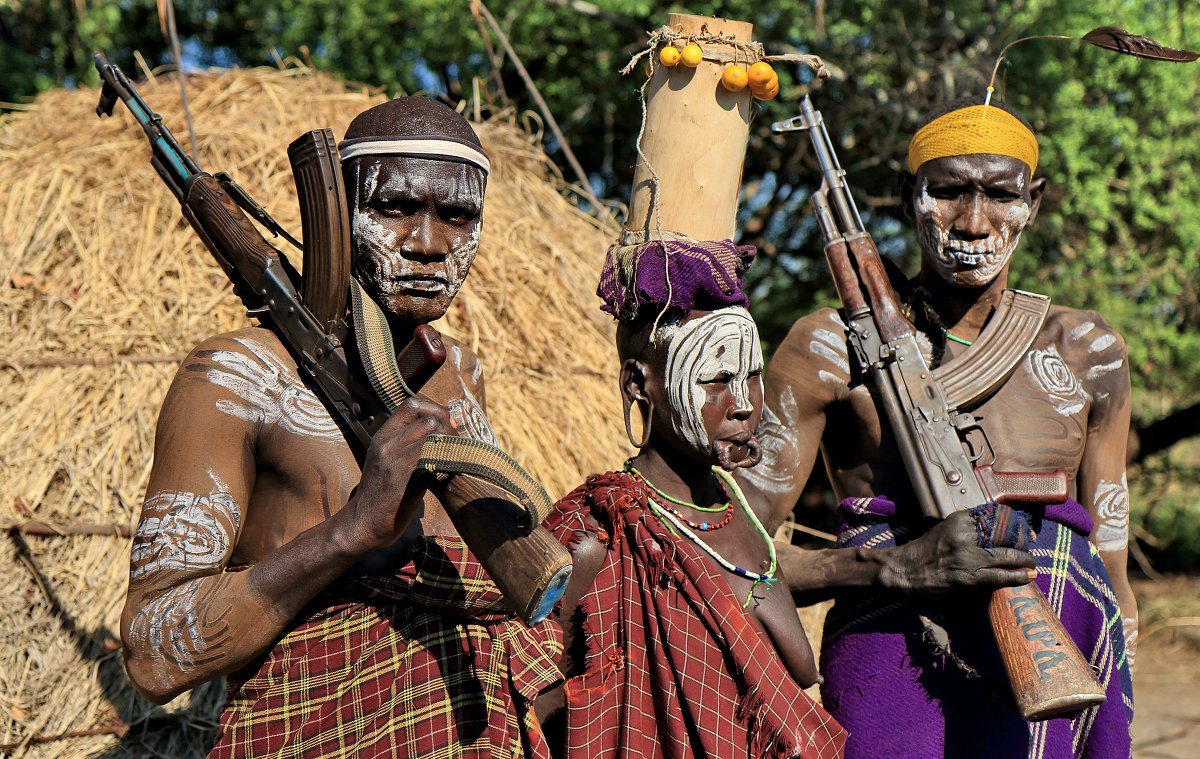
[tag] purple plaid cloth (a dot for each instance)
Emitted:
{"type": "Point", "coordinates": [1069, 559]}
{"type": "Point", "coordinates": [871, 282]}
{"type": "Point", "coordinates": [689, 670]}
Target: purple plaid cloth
{"type": "Point", "coordinates": [702, 275]}
{"type": "Point", "coordinates": [899, 698]}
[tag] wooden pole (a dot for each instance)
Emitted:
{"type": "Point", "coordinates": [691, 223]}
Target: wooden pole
{"type": "Point", "coordinates": [694, 141]}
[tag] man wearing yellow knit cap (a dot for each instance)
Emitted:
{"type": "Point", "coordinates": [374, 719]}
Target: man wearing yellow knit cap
{"type": "Point", "coordinates": [910, 666]}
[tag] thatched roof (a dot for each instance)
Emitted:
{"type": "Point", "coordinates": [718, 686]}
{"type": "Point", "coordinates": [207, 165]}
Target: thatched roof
{"type": "Point", "coordinates": [97, 264]}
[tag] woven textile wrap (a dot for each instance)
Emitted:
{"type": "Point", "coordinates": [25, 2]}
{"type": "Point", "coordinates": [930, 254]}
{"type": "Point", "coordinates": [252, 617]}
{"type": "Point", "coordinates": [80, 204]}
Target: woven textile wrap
{"type": "Point", "coordinates": [673, 667]}
{"type": "Point", "coordinates": [425, 663]}
{"type": "Point", "coordinates": [702, 275]}
{"type": "Point", "coordinates": [899, 698]}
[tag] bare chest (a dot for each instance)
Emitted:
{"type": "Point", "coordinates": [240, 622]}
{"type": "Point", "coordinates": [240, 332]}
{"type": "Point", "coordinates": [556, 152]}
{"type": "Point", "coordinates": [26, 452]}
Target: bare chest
{"type": "Point", "coordinates": [306, 471]}
{"type": "Point", "coordinates": [1035, 421]}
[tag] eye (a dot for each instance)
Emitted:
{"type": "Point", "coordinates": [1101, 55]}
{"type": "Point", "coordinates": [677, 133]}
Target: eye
{"type": "Point", "coordinates": [397, 206]}
{"type": "Point", "coordinates": [1004, 196]}
{"type": "Point", "coordinates": [459, 215]}
{"type": "Point", "coordinates": [949, 192]}
{"type": "Point", "coordinates": [724, 378]}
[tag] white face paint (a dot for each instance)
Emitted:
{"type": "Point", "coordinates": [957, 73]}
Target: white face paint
{"type": "Point", "coordinates": [961, 262]}
{"type": "Point", "coordinates": [722, 343]}
{"type": "Point", "coordinates": [1112, 509]}
{"type": "Point", "coordinates": [401, 248]}
{"type": "Point", "coordinates": [272, 392]}
{"type": "Point", "coordinates": [1100, 343]}
{"type": "Point", "coordinates": [1061, 385]}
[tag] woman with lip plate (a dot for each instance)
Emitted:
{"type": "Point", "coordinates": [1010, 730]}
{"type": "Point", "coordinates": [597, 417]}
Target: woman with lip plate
{"type": "Point", "coordinates": [680, 638]}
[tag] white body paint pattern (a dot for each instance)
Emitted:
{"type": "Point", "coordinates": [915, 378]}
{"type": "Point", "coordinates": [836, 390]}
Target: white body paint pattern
{"type": "Point", "coordinates": [184, 532]}
{"type": "Point", "coordinates": [722, 342]}
{"type": "Point", "coordinates": [1100, 343]}
{"type": "Point", "coordinates": [985, 257]}
{"type": "Point", "coordinates": [778, 438]}
{"type": "Point", "coordinates": [169, 628]}
{"type": "Point", "coordinates": [383, 259]}
{"type": "Point", "coordinates": [1082, 330]}
{"type": "Point", "coordinates": [1130, 627]}
{"type": "Point", "coordinates": [829, 345]}
{"type": "Point", "coordinates": [1112, 509]}
{"type": "Point", "coordinates": [1056, 378]}
{"type": "Point", "coordinates": [466, 413]}
{"type": "Point", "coordinates": [832, 348]}
{"type": "Point", "coordinates": [272, 393]}
{"type": "Point", "coordinates": [1099, 370]}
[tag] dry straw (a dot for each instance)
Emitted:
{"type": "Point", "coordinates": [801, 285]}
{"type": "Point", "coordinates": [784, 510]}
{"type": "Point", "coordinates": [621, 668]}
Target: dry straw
{"type": "Point", "coordinates": [96, 263]}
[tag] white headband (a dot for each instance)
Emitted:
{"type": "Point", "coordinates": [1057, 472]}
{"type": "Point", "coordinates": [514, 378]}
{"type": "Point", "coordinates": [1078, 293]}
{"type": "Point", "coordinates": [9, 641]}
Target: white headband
{"type": "Point", "coordinates": [417, 147]}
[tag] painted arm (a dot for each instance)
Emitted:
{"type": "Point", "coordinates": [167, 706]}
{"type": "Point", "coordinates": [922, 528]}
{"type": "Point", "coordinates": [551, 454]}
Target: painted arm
{"type": "Point", "coordinates": [806, 374]}
{"type": "Point", "coordinates": [1102, 485]}
{"type": "Point", "coordinates": [186, 619]}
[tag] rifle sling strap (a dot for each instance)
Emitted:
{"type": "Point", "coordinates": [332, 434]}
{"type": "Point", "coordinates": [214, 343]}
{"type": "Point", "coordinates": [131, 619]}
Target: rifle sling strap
{"type": "Point", "coordinates": [990, 360]}
{"type": "Point", "coordinates": [441, 455]}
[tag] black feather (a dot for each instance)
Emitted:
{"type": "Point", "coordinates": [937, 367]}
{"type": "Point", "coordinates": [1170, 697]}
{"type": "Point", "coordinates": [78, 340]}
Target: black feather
{"type": "Point", "coordinates": [1121, 41]}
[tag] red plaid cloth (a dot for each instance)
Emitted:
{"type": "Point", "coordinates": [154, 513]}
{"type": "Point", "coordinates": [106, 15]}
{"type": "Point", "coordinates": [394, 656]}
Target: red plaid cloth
{"type": "Point", "coordinates": [674, 667]}
{"type": "Point", "coordinates": [428, 663]}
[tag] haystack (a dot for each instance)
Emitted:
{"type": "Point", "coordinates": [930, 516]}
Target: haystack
{"type": "Point", "coordinates": [103, 288]}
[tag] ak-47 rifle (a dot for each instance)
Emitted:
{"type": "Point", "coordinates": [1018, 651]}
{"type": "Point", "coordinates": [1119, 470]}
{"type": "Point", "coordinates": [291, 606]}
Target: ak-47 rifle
{"type": "Point", "coordinates": [495, 505]}
{"type": "Point", "coordinates": [938, 440]}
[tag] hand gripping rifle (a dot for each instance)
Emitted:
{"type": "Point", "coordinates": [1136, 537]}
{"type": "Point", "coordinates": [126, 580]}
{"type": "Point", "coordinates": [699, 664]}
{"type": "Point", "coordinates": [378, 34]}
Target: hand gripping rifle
{"type": "Point", "coordinates": [495, 505]}
{"type": "Point", "coordinates": [938, 441]}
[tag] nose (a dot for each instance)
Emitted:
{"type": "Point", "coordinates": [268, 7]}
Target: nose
{"type": "Point", "coordinates": [972, 223]}
{"type": "Point", "coordinates": [426, 240]}
{"type": "Point", "coordinates": [740, 408]}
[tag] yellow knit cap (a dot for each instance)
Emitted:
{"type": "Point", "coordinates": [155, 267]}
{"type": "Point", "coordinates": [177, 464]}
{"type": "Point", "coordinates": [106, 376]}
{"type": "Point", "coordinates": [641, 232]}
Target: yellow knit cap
{"type": "Point", "coordinates": [974, 129]}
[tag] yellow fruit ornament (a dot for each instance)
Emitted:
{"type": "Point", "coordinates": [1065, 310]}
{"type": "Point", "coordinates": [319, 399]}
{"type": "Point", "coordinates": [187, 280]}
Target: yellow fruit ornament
{"type": "Point", "coordinates": [768, 90]}
{"type": "Point", "coordinates": [760, 74]}
{"type": "Point", "coordinates": [734, 78]}
{"type": "Point", "coordinates": [691, 55]}
{"type": "Point", "coordinates": [668, 56]}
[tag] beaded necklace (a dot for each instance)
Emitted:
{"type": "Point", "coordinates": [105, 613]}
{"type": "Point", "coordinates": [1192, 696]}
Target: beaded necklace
{"type": "Point", "coordinates": [701, 526]}
{"type": "Point", "coordinates": [756, 578]}
{"type": "Point", "coordinates": [946, 334]}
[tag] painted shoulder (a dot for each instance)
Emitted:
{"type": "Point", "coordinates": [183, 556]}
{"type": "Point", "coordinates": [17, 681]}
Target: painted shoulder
{"type": "Point", "coordinates": [256, 380]}
{"type": "Point", "coordinates": [815, 350]}
{"type": "Point", "coordinates": [1088, 344]}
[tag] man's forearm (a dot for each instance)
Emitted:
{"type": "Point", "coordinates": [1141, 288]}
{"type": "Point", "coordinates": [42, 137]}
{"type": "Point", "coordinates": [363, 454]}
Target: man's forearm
{"type": "Point", "coordinates": [180, 635]}
{"type": "Point", "coordinates": [815, 575]}
{"type": "Point", "coordinates": [946, 558]}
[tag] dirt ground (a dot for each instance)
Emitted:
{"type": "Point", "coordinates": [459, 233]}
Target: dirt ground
{"type": "Point", "coordinates": [1166, 679]}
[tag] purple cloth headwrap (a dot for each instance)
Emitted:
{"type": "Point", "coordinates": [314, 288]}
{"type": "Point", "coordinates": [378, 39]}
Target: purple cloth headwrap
{"type": "Point", "coordinates": [702, 275]}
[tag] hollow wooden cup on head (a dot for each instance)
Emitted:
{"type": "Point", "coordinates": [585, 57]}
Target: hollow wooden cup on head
{"type": "Point", "coordinates": [694, 137]}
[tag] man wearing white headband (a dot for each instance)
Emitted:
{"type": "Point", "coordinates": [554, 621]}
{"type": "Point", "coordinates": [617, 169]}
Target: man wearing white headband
{"type": "Point", "coordinates": [900, 689]}
{"type": "Point", "coordinates": [341, 605]}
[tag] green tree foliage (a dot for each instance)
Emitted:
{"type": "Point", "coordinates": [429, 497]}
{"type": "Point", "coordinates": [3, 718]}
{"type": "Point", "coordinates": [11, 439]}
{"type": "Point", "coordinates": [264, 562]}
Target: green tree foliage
{"type": "Point", "coordinates": [1118, 231]}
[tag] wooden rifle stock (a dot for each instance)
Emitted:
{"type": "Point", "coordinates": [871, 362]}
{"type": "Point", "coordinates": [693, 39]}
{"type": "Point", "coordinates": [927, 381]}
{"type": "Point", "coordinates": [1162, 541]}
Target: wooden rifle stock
{"type": "Point", "coordinates": [1048, 674]}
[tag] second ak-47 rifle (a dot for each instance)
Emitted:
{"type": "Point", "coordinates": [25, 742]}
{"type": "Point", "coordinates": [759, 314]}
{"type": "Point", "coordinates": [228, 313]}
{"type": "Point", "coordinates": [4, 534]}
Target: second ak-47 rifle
{"type": "Point", "coordinates": [350, 361]}
{"type": "Point", "coordinates": [941, 443]}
